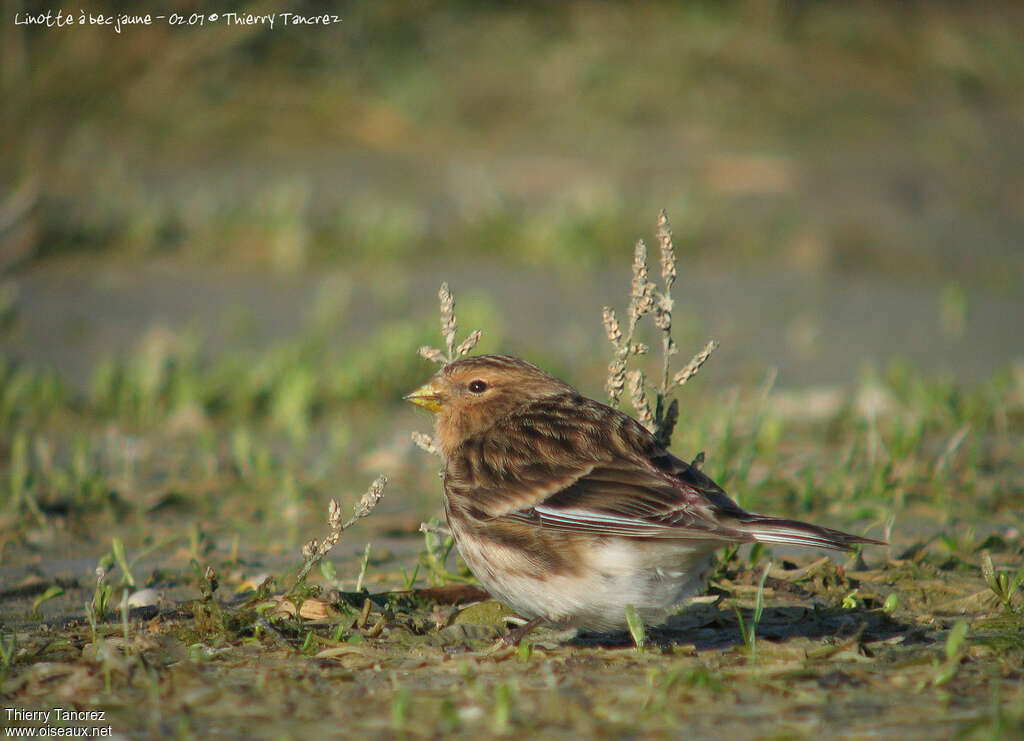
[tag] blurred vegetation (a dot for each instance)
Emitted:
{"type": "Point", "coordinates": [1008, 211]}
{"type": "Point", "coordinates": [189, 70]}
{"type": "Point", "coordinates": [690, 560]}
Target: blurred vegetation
{"type": "Point", "coordinates": [894, 440]}
{"type": "Point", "coordinates": [870, 136]}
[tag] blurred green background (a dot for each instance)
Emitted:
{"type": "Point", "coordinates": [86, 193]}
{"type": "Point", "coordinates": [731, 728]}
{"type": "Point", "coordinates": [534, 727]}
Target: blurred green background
{"type": "Point", "coordinates": [844, 136]}
{"type": "Point", "coordinates": [845, 180]}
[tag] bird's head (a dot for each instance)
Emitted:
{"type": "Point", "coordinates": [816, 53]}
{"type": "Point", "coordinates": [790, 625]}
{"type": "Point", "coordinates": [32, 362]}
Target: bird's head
{"type": "Point", "coordinates": [471, 394]}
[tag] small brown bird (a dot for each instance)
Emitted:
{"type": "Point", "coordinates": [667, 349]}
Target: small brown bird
{"type": "Point", "coordinates": [568, 510]}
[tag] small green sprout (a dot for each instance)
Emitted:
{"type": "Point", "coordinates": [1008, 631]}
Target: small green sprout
{"type": "Point", "coordinates": [749, 632]}
{"type": "Point", "coordinates": [52, 592]}
{"type": "Point", "coordinates": [1002, 584]}
{"type": "Point", "coordinates": [954, 646]}
{"type": "Point", "coordinates": [891, 603]}
{"type": "Point", "coordinates": [96, 609]}
{"type": "Point", "coordinates": [524, 652]}
{"type": "Point", "coordinates": [362, 568]}
{"type": "Point", "coordinates": [636, 628]}
{"type": "Point", "coordinates": [8, 650]}
{"type": "Point", "coordinates": [502, 708]}
{"type": "Point", "coordinates": [400, 703]}
{"type": "Point", "coordinates": [121, 558]}
{"type": "Point", "coordinates": [437, 546]}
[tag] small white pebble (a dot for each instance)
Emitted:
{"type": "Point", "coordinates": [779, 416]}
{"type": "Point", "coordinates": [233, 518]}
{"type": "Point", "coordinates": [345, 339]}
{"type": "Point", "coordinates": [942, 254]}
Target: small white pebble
{"type": "Point", "coordinates": [144, 598]}
{"type": "Point", "coordinates": [470, 713]}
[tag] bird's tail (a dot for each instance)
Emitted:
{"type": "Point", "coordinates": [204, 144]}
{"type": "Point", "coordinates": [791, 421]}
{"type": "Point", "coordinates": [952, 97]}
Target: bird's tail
{"type": "Point", "coordinates": [765, 529]}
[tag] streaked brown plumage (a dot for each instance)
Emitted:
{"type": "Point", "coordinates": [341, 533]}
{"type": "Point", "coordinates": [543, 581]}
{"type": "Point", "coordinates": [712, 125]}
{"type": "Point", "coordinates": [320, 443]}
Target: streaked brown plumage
{"type": "Point", "coordinates": [568, 510]}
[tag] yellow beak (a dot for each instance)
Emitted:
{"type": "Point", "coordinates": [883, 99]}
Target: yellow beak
{"type": "Point", "coordinates": [426, 396]}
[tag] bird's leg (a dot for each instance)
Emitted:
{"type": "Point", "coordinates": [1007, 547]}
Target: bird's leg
{"type": "Point", "coordinates": [515, 636]}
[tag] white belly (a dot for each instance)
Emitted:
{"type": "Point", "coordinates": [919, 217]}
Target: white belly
{"type": "Point", "coordinates": [653, 576]}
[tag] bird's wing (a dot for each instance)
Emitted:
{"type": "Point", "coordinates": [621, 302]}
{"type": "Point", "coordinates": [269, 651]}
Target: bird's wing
{"type": "Point", "coordinates": [608, 478]}
{"type": "Point", "coordinates": [627, 498]}
{"type": "Point", "coordinates": [664, 497]}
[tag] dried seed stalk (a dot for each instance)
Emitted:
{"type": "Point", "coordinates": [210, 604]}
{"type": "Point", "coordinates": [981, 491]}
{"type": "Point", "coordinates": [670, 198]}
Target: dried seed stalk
{"type": "Point", "coordinates": [433, 355]}
{"type": "Point", "coordinates": [468, 344]}
{"type": "Point", "coordinates": [641, 302]}
{"type": "Point", "coordinates": [644, 299]}
{"type": "Point", "coordinates": [449, 329]}
{"type": "Point", "coordinates": [691, 368]}
{"type": "Point", "coordinates": [426, 443]}
{"type": "Point", "coordinates": [638, 396]}
{"type": "Point", "coordinates": [315, 550]}
{"type": "Point", "coordinates": [663, 311]}
{"type": "Point", "coordinates": [449, 325]}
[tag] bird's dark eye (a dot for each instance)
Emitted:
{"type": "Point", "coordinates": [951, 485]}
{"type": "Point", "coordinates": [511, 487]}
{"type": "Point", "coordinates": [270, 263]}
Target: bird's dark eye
{"type": "Point", "coordinates": [477, 387]}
